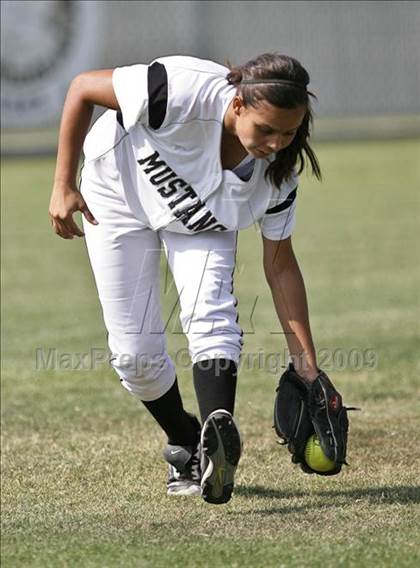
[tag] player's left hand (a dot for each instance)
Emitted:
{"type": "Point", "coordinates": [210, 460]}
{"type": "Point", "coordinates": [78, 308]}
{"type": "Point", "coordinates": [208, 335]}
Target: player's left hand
{"type": "Point", "coordinates": [303, 408]}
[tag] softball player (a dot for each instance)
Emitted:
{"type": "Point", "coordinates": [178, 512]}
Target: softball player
{"type": "Point", "coordinates": [188, 153]}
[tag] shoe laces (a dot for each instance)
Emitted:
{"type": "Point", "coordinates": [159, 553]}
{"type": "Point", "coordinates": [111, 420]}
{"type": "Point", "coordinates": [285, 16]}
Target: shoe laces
{"type": "Point", "coordinates": [194, 464]}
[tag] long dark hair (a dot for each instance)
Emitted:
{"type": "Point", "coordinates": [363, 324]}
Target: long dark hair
{"type": "Point", "coordinates": [291, 94]}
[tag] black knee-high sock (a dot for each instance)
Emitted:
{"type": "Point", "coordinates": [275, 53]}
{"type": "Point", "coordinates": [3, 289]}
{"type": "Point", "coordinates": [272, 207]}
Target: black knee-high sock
{"type": "Point", "coordinates": [215, 385]}
{"type": "Point", "coordinates": [169, 412]}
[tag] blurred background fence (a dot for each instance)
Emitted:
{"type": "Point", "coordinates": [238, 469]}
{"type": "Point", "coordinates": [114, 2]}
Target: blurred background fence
{"type": "Point", "coordinates": [363, 57]}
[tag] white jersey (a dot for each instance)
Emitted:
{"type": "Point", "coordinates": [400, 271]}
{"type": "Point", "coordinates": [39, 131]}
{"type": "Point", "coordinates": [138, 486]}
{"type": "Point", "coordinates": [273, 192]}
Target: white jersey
{"type": "Point", "coordinates": [171, 121]}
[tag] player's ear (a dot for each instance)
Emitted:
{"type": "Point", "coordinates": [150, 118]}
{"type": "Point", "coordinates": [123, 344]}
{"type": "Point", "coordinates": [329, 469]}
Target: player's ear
{"type": "Point", "coordinates": [238, 104]}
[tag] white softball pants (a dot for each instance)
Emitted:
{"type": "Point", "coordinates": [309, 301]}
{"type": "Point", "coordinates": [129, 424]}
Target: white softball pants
{"type": "Point", "coordinates": [125, 257]}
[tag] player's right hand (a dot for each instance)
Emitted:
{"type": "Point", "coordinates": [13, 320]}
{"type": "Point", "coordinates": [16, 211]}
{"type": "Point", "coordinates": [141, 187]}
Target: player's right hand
{"type": "Point", "coordinates": [66, 200]}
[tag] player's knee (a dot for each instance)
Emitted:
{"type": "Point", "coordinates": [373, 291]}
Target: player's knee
{"type": "Point", "coordinates": [213, 331]}
{"type": "Point", "coordinates": [146, 376]}
{"type": "Point", "coordinates": [223, 343]}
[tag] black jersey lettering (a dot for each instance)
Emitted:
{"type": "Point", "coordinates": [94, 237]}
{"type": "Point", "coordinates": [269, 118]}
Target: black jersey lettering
{"type": "Point", "coordinates": [219, 227]}
{"type": "Point", "coordinates": [181, 197]}
{"type": "Point", "coordinates": [171, 189]}
{"type": "Point", "coordinates": [177, 181]}
{"type": "Point", "coordinates": [186, 214]}
{"type": "Point", "coordinates": [166, 192]}
{"type": "Point", "coordinates": [153, 161]}
{"type": "Point", "coordinates": [205, 222]}
{"type": "Point", "coordinates": [188, 192]}
{"type": "Point", "coordinates": [163, 176]}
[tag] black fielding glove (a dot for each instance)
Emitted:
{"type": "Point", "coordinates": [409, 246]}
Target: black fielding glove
{"type": "Point", "coordinates": [301, 409]}
{"type": "Point", "coordinates": [329, 417]}
{"type": "Point", "coordinates": [292, 422]}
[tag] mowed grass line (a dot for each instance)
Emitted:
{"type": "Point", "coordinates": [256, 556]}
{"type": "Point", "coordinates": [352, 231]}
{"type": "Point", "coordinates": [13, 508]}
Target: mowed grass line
{"type": "Point", "coordinates": [82, 478]}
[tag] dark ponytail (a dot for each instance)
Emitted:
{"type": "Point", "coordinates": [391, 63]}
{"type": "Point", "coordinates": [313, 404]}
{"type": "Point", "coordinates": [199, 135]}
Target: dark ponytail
{"type": "Point", "coordinates": [289, 92]}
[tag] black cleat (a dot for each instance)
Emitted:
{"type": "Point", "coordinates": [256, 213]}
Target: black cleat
{"type": "Point", "coordinates": [221, 449]}
{"type": "Point", "coordinates": [184, 471]}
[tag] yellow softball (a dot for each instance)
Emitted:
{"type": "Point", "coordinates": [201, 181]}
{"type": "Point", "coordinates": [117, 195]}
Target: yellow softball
{"type": "Point", "coordinates": [315, 457]}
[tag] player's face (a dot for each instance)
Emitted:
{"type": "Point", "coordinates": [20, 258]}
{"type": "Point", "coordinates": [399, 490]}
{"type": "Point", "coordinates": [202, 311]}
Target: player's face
{"type": "Point", "coordinates": [266, 129]}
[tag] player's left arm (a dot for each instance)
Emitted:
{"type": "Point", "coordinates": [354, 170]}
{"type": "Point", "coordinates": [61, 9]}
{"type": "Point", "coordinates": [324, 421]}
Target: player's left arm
{"type": "Point", "coordinates": [311, 405]}
{"type": "Point", "coordinates": [289, 296]}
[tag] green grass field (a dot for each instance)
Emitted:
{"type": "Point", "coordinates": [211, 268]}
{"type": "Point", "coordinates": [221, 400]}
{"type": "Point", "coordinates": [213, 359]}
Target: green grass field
{"type": "Point", "coordinates": [83, 483]}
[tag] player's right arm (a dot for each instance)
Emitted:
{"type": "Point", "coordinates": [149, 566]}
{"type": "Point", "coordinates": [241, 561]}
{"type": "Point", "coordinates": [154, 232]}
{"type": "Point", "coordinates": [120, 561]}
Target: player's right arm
{"type": "Point", "coordinates": [85, 91]}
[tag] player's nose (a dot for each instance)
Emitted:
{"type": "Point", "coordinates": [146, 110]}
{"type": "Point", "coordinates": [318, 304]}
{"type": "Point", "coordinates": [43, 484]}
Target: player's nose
{"type": "Point", "coordinates": [277, 143]}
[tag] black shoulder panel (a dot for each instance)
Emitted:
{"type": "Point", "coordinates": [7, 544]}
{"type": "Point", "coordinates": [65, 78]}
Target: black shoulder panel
{"type": "Point", "coordinates": [285, 204]}
{"type": "Point", "coordinates": [120, 119]}
{"type": "Point", "coordinates": [157, 85]}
